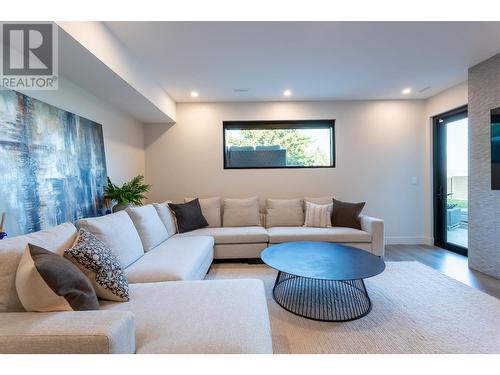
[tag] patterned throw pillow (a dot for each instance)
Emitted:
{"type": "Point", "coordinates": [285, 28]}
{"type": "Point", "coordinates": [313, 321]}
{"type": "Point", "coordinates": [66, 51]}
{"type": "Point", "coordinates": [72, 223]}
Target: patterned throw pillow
{"type": "Point", "coordinates": [100, 265]}
{"type": "Point", "coordinates": [318, 215]}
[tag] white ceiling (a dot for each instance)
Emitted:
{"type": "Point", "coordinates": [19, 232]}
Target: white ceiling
{"type": "Point", "coordinates": [316, 60]}
{"type": "Point", "coordinates": [81, 67]}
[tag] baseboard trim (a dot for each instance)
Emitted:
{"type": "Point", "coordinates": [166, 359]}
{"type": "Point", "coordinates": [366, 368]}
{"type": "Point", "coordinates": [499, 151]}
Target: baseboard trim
{"type": "Point", "coordinates": [239, 260]}
{"type": "Point", "coordinates": [409, 241]}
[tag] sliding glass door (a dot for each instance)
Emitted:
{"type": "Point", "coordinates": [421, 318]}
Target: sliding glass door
{"type": "Point", "coordinates": [450, 180]}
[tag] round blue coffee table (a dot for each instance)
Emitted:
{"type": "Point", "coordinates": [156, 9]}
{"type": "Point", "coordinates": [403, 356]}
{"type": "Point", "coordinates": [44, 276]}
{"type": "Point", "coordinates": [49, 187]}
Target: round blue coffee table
{"type": "Point", "coordinates": [322, 280]}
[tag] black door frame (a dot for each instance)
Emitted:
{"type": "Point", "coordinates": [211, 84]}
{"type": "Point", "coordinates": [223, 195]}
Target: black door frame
{"type": "Point", "coordinates": [439, 177]}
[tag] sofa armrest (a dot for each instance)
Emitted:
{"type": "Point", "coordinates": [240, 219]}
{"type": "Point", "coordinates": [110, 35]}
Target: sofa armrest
{"type": "Point", "coordinates": [67, 332]}
{"type": "Point", "coordinates": [375, 227]}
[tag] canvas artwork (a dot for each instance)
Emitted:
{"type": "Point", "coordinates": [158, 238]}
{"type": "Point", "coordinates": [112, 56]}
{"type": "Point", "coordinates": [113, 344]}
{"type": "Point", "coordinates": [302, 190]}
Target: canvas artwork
{"type": "Point", "coordinates": [52, 165]}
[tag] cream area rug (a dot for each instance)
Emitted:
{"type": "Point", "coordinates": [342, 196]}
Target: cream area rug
{"type": "Point", "coordinates": [415, 310]}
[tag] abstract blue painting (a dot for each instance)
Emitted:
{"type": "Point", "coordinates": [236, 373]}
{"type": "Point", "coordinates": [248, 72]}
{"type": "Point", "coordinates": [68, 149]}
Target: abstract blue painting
{"type": "Point", "coordinates": [52, 165]}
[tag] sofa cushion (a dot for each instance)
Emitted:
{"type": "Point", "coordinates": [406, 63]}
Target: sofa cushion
{"type": "Point", "coordinates": [211, 210]}
{"type": "Point", "coordinates": [241, 212]}
{"type": "Point", "coordinates": [231, 234]}
{"type": "Point", "coordinates": [166, 216]}
{"type": "Point", "coordinates": [56, 239]}
{"type": "Point", "coordinates": [239, 250]}
{"type": "Point", "coordinates": [334, 234]}
{"type": "Point", "coordinates": [100, 265]}
{"type": "Point", "coordinates": [151, 229]}
{"type": "Point", "coordinates": [47, 282]}
{"type": "Point", "coordinates": [67, 332]}
{"type": "Point", "coordinates": [284, 212]}
{"type": "Point", "coordinates": [118, 233]}
{"type": "Point", "coordinates": [216, 316]}
{"type": "Point", "coordinates": [178, 258]}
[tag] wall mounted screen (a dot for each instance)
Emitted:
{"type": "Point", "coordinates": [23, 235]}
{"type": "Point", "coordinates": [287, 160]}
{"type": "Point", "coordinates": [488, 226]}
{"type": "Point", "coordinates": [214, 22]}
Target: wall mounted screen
{"type": "Point", "coordinates": [495, 149]}
{"type": "Point", "coordinates": [53, 167]}
{"type": "Point", "coordinates": [279, 144]}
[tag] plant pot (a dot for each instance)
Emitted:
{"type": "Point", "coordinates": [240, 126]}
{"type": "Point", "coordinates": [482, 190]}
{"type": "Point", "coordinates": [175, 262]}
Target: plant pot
{"type": "Point", "coordinates": [120, 207]}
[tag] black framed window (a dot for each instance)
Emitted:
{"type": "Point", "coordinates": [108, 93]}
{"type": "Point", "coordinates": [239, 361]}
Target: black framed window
{"type": "Point", "coordinates": [279, 144]}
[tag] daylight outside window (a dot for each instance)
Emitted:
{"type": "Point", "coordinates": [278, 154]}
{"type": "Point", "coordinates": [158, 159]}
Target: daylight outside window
{"type": "Point", "coordinates": [279, 144]}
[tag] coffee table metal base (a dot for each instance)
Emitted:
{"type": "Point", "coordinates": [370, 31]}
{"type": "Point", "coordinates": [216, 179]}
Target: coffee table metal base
{"type": "Point", "coordinates": [325, 300]}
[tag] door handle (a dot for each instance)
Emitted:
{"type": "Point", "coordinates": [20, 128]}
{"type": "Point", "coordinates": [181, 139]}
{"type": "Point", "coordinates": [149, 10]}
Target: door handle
{"type": "Point", "coordinates": [444, 195]}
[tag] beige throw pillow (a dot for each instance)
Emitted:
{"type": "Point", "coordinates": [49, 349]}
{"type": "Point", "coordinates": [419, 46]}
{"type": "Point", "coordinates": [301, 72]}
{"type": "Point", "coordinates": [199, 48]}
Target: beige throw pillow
{"type": "Point", "coordinates": [241, 212]}
{"type": "Point", "coordinates": [166, 216]}
{"type": "Point", "coordinates": [55, 239]}
{"type": "Point", "coordinates": [48, 282]}
{"type": "Point", "coordinates": [318, 215]}
{"type": "Point", "coordinates": [284, 213]}
{"type": "Point", "coordinates": [211, 210]}
{"type": "Point", "coordinates": [151, 229]}
{"type": "Point", "coordinates": [118, 233]}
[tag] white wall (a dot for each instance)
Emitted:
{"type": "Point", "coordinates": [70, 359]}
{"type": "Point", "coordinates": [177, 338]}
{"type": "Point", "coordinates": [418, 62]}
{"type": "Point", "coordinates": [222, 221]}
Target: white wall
{"type": "Point", "coordinates": [445, 101]}
{"type": "Point", "coordinates": [380, 147]}
{"type": "Point", "coordinates": [123, 136]}
{"type": "Point", "coordinates": [379, 150]}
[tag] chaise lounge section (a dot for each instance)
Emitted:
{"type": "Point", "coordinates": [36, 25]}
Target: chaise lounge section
{"type": "Point", "coordinates": [171, 308]}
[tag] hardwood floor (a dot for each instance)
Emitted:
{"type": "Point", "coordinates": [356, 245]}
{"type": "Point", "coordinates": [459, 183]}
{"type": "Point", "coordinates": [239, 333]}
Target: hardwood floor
{"type": "Point", "coordinates": [447, 262]}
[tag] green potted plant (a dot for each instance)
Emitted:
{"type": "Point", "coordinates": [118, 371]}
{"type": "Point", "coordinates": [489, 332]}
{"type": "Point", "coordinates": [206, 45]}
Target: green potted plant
{"type": "Point", "coordinates": [130, 193]}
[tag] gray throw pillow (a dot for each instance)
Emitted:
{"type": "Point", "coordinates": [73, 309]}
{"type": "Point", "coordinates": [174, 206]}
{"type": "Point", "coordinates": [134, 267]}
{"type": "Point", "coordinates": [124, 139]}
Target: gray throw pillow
{"type": "Point", "coordinates": [345, 214]}
{"type": "Point", "coordinates": [47, 282]}
{"type": "Point", "coordinates": [188, 216]}
{"type": "Point", "coordinates": [211, 210]}
{"type": "Point", "coordinates": [100, 265]}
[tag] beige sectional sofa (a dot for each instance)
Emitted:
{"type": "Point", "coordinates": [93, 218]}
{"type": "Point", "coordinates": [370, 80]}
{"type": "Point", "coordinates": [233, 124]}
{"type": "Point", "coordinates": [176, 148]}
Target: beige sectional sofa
{"type": "Point", "coordinates": [247, 242]}
{"type": "Point", "coordinates": [171, 308]}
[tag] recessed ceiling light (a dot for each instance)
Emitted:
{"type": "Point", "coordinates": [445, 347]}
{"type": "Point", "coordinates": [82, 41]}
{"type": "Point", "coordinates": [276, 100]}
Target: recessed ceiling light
{"type": "Point", "coordinates": [194, 94]}
{"type": "Point", "coordinates": [406, 91]}
{"type": "Point", "coordinates": [287, 93]}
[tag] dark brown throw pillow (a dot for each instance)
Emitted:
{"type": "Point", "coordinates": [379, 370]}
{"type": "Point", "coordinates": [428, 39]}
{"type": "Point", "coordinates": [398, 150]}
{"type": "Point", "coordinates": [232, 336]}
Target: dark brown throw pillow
{"type": "Point", "coordinates": [48, 282]}
{"type": "Point", "coordinates": [188, 216]}
{"type": "Point", "coordinates": [345, 214]}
